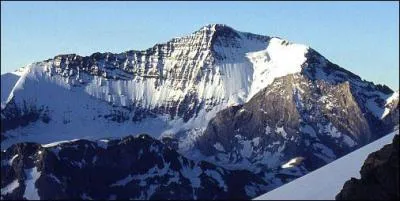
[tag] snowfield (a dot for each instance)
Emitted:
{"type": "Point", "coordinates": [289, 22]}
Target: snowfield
{"type": "Point", "coordinates": [326, 182]}
{"type": "Point", "coordinates": [8, 81]}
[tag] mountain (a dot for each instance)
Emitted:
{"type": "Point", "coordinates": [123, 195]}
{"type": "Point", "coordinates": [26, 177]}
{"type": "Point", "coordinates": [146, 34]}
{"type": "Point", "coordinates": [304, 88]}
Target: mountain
{"type": "Point", "coordinates": [379, 176]}
{"type": "Point", "coordinates": [333, 175]}
{"type": "Point", "coordinates": [187, 79]}
{"type": "Point", "coordinates": [129, 168]}
{"type": "Point", "coordinates": [315, 114]}
{"type": "Point", "coordinates": [237, 100]}
{"type": "Point", "coordinates": [177, 86]}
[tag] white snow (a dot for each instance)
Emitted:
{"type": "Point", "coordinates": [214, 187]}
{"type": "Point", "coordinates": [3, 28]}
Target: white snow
{"type": "Point", "coordinates": [77, 101]}
{"type": "Point", "coordinates": [350, 142]}
{"type": "Point", "coordinates": [281, 131]}
{"type": "Point", "coordinates": [218, 146]}
{"type": "Point", "coordinates": [58, 143]}
{"type": "Point", "coordinates": [331, 130]}
{"type": "Point", "coordinates": [389, 100]}
{"type": "Point", "coordinates": [267, 130]}
{"type": "Point", "coordinates": [192, 174]}
{"type": "Point", "coordinates": [10, 187]}
{"type": "Point", "coordinates": [326, 182]}
{"type": "Point", "coordinates": [392, 97]}
{"type": "Point", "coordinates": [278, 59]}
{"type": "Point", "coordinates": [154, 171]}
{"type": "Point", "coordinates": [8, 81]}
{"type": "Point", "coordinates": [381, 111]}
{"type": "Point", "coordinates": [12, 159]}
{"type": "Point", "coordinates": [292, 162]}
{"type": "Point", "coordinates": [246, 149]}
{"type": "Point", "coordinates": [375, 109]}
{"type": "Point", "coordinates": [256, 141]}
{"type": "Point", "coordinates": [31, 192]}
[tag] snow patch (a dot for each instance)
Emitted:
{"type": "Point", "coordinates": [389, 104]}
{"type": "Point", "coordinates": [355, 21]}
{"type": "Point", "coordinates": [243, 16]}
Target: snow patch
{"type": "Point", "coordinates": [192, 174]}
{"type": "Point", "coordinates": [256, 141]}
{"type": "Point", "coordinates": [12, 159]}
{"type": "Point", "coordinates": [292, 162]}
{"type": "Point", "coordinates": [218, 146]}
{"type": "Point", "coordinates": [281, 131]}
{"type": "Point", "coordinates": [58, 143]}
{"type": "Point", "coordinates": [10, 187]}
{"type": "Point", "coordinates": [267, 130]}
{"type": "Point", "coordinates": [31, 192]}
{"type": "Point", "coordinates": [277, 60]}
{"type": "Point", "coordinates": [350, 142]}
{"type": "Point", "coordinates": [375, 109]}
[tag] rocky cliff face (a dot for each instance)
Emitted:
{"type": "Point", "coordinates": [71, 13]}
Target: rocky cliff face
{"type": "Point", "coordinates": [300, 121]}
{"type": "Point", "coordinates": [314, 114]}
{"type": "Point", "coordinates": [129, 168]}
{"type": "Point", "coordinates": [379, 176]}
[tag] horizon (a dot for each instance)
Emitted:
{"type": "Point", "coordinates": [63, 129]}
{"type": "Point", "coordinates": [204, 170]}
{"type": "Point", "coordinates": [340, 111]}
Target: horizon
{"type": "Point", "coordinates": [357, 55]}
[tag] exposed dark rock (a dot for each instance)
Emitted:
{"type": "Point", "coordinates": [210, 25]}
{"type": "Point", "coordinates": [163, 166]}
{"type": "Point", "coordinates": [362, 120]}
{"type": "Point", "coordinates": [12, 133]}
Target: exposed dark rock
{"type": "Point", "coordinates": [379, 176]}
{"type": "Point", "coordinates": [297, 112]}
{"type": "Point", "coordinates": [13, 116]}
{"type": "Point", "coordinates": [130, 168]}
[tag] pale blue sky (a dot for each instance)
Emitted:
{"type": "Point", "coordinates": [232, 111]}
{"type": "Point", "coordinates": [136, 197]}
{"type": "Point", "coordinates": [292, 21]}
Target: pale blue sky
{"type": "Point", "coordinates": [362, 37]}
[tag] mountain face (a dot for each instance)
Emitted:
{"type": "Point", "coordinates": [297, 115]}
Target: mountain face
{"type": "Point", "coordinates": [379, 176]}
{"type": "Point", "coordinates": [313, 114]}
{"type": "Point", "coordinates": [130, 168]}
{"type": "Point", "coordinates": [187, 80]}
{"type": "Point", "coordinates": [240, 101]}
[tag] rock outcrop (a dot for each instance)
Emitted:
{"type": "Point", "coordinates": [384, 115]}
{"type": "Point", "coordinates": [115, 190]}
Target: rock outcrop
{"type": "Point", "coordinates": [379, 176]}
{"type": "Point", "coordinates": [130, 168]}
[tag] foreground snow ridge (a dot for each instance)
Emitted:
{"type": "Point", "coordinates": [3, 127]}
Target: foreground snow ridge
{"type": "Point", "coordinates": [334, 175]}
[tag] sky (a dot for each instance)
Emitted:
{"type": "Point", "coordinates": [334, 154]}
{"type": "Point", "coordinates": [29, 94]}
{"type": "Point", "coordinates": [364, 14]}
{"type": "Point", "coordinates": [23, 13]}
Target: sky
{"type": "Point", "coordinates": [362, 37]}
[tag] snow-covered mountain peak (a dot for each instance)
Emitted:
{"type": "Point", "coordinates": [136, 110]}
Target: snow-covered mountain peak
{"type": "Point", "coordinates": [187, 79]}
{"type": "Point", "coordinates": [237, 99]}
{"type": "Point", "coordinates": [213, 28]}
{"type": "Point", "coordinates": [214, 63]}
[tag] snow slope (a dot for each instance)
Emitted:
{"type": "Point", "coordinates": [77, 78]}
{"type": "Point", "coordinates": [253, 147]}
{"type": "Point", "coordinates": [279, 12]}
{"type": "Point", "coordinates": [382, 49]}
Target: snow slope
{"type": "Point", "coordinates": [326, 182]}
{"type": "Point", "coordinates": [202, 72]}
{"type": "Point", "coordinates": [8, 81]}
